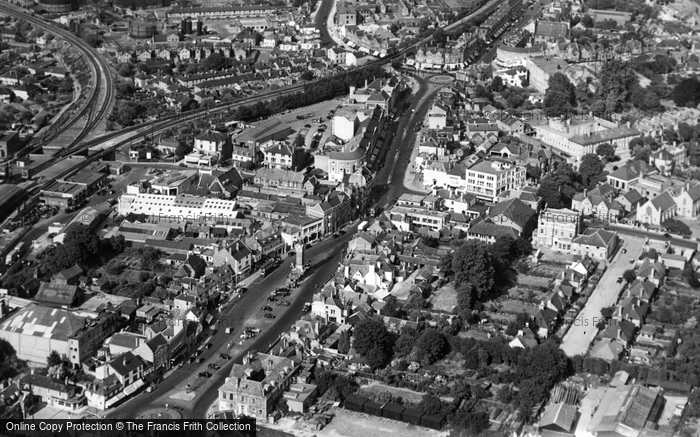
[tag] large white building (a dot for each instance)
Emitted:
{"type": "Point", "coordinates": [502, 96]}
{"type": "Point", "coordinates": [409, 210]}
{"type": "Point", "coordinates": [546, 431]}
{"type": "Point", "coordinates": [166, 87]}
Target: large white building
{"type": "Point", "coordinates": [557, 228]}
{"type": "Point", "coordinates": [164, 208]}
{"type": "Point", "coordinates": [582, 134]}
{"type": "Point", "coordinates": [488, 178]}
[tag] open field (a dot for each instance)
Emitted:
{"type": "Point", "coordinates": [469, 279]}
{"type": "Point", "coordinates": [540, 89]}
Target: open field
{"type": "Point", "coordinates": [376, 388]}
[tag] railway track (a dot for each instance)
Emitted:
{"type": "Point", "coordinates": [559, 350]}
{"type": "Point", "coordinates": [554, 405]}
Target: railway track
{"type": "Point", "coordinates": [93, 110]}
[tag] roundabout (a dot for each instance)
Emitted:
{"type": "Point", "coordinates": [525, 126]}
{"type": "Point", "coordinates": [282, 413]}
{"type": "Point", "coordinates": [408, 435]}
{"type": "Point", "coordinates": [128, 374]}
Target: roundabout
{"type": "Point", "coordinates": [160, 413]}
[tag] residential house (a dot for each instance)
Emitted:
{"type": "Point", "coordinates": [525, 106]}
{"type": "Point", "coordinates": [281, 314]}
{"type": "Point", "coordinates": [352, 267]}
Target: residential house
{"type": "Point", "coordinates": [596, 243]}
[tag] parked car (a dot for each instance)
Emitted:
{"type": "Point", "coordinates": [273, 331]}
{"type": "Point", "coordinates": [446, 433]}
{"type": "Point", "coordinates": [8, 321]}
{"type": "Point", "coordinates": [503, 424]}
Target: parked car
{"type": "Point", "coordinates": [225, 357]}
{"type": "Point", "coordinates": [269, 316]}
{"type": "Point", "coordinates": [307, 307]}
{"type": "Point", "coordinates": [204, 374]}
{"type": "Point", "coordinates": [267, 308]}
{"type": "Point", "coordinates": [271, 299]}
{"type": "Point", "coordinates": [208, 345]}
{"type": "Point", "coordinates": [214, 366]}
{"type": "Point", "coordinates": [667, 235]}
{"type": "Point", "coordinates": [620, 279]}
{"type": "Point", "coordinates": [200, 360]}
{"type": "Point", "coordinates": [283, 303]}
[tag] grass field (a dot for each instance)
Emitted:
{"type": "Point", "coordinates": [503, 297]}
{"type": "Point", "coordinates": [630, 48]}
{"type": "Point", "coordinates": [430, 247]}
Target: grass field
{"type": "Point", "coordinates": [352, 424]}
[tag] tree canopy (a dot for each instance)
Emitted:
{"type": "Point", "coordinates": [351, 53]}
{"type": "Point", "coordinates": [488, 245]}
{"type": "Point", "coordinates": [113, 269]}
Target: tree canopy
{"type": "Point", "coordinates": [591, 169]}
{"type": "Point", "coordinates": [373, 342]}
{"type": "Point", "coordinates": [687, 93]}
{"type": "Point", "coordinates": [560, 98]}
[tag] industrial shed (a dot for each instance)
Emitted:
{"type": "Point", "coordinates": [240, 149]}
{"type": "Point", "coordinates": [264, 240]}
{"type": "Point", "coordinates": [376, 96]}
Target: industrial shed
{"type": "Point", "coordinates": [373, 408]}
{"type": "Point", "coordinates": [433, 422]}
{"type": "Point", "coordinates": [355, 403]}
{"type": "Point", "coordinates": [412, 416]}
{"type": "Point", "coordinates": [393, 411]}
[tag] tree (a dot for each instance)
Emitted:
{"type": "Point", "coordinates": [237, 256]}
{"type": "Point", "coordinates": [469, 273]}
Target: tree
{"type": "Point", "coordinates": [693, 407]}
{"type": "Point", "coordinates": [405, 343]}
{"type": "Point", "coordinates": [504, 249]}
{"type": "Point", "coordinates": [629, 275]}
{"type": "Point", "coordinates": [473, 265]}
{"type": "Point", "coordinates": [213, 62]}
{"type": "Point", "coordinates": [691, 276]}
{"type": "Point", "coordinates": [118, 243]}
{"type": "Point", "coordinates": [431, 346]}
{"type": "Point", "coordinates": [606, 151]}
{"type": "Point", "coordinates": [616, 80]}
{"type": "Point", "coordinates": [299, 141]}
{"type": "Point", "coordinates": [523, 246]}
{"type": "Point", "coordinates": [551, 193]}
{"type": "Point", "coordinates": [373, 342]}
{"type": "Point", "coordinates": [560, 97]}
{"type": "Point", "coordinates": [587, 21]}
{"type": "Point", "coordinates": [54, 359]}
{"type": "Point", "coordinates": [676, 227]}
{"type": "Point", "coordinates": [497, 84]}
{"type": "Point", "coordinates": [687, 93]}
{"type": "Point", "coordinates": [607, 312]}
{"type": "Point", "coordinates": [431, 404]}
{"type": "Point", "coordinates": [591, 169]}
{"type": "Point", "coordinates": [506, 395]}
{"type": "Point", "coordinates": [344, 342]}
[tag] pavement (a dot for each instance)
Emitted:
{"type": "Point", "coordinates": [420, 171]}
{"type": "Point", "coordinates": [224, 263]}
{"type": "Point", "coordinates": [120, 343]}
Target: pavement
{"type": "Point", "coordinates": [583, 330]}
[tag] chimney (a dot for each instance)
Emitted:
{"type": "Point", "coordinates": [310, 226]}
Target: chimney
{"type": "Point", "coordinates": [269, 365]}
{"type": "Point", "coordinates": [66, 380]}
{"type": "Point", "coordinates": [629, 126]}
{"type": "Point", "coordinates": [585, 193]}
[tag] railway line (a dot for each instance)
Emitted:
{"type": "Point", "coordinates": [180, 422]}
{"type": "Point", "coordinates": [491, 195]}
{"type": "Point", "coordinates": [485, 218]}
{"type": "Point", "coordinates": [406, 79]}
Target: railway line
{"type": "Point", "coordinates": [101, 95]}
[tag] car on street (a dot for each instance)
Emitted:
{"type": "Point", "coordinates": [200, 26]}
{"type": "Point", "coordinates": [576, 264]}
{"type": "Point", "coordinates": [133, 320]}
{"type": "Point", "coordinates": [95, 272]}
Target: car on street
{"type": "Point", "coordinates": [208, 345]}
{"type": "Point", "coordinates": [272, 299]}
{"type": "Point", "coordinates": [620, 279]}
{"type": "Point", "coordinates": [667, 235]}
{"type": "Point", "coordinates": [200, 360]}
{"type": "Point", "coordinates": [283, 303]}
{"type": "Point", "coordinates": [267, 308]}
{"type": "Point", "coordinates": [269, 316]}
{"type": "Point", "coordinates": [225, 357]}
{"type": "Point", "coordinates": [214, 366]}
{"type": "Point", "coordinates": [307, 307]}
{"type": "Point", "coordinates": [204, 374]}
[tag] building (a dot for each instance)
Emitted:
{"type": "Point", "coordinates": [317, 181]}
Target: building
{"type": "Point", "coordinates": [9, 143]}
{"type": "Point", "coordinates": [282, 156]}
{"type": "Point", "coordinates": [158, 208]}
{"type": "Point", "coordinates": [581, 135]}
{"type": "Point", "coordinates": [214, 143]}
{"type": "Point", "coordinates": [272, 129]}
{"type": "Point", "coordinates": [542, 69]}
{"type": "Point", "coordinates": [127, 367]}
{"type": "Point", "coordinates": [55, 393]}
{"type": "Point", "coordinates": [627, 175]}
{"type": "Point", "coordinates": [490, 177]}
{"type": "Point", "coordinates": [688, 201]}
{"type": "Point", "coordinates": [36, 330]}
{"type": "Point", "coordinates": [300, 397]}
{"type": "Point", "coordinates": [173, 183]}
{"type": "Point", "coordinates": [347, 16]}
{"type": "Point", "coordinates": [254, 387]}
{"type": "Point", "coordinates": [620, 18]}
{"type": "Point", "coordinates": [557, 228]}
{"type": "Point", "coordinates": [597, 243]}
{"type": "Point", "coordinates": [626, 411]}
{"type": "Point", "coordinates": [558, 420]}
{"type": "Point", "coordinates": [513, 57]}
{"type": "Point", "coordinates": [64, 195]}
{"type": "Point", "coordinates": [512, 217]}
{"type": "Point", "coordinates": [331, 309]}
{"type": "Point", "coordinates": [235, 255]}
{"type": "Point", "coordinates": [338, 164]}
{"type": "Point", "coordinates": [657, 210]}
{"type": "Point", "coordinates": [550, 31]}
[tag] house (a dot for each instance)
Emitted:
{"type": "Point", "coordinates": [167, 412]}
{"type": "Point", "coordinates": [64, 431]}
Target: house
{"type": "Point", "coordinates": [236, 255]}
{"type": "Point", "coordinates": [254, 387]}
{"type": "Point", "coordinates": [514, 214]}
{"type": "Point", "coordinates": [127, 367]}
{"type": "Point", "coordinates": [688, 201]}
{"type": "Point", "coordinates": [596, 243]}
{"type": "Point", "coordinates": [620, 330]}
{"type": "Point", "coordinates": [652, 271]}
{"type": "Point", "coordinates": [630, 200]}
{"type": "Point", "coordinates": [607, 349]}
{"type": "Point", "coordinates": [558, 420]}
{"type": "Point", "coordinates": [546, 319]}
{"type": "Point", "coordinates": [52, 392]}
{"type": "Point", "coordinates": [623, 177]}
{"type": "Point", "coordinates": [657, 210]}
{"type": "Point", "coordinates": [557, 228]}
{"type": "Point", "coordinates": [155, 352]}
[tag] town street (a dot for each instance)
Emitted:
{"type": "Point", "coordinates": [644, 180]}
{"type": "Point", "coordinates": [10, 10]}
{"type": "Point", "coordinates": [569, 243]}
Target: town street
{"type": "Point", "coordinates": [324, 257]}
{"type": "Point", "coordinates": [582, 332]}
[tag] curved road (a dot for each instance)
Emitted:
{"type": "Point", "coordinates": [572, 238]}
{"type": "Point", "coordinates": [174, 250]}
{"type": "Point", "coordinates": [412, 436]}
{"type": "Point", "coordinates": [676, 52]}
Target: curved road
{"type": "Point", "coordinates": [322, 15]}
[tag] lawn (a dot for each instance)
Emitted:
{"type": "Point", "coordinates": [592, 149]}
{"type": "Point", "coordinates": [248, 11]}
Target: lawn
{"type": "Point", "coordinates": [408, 395]}
{"type": "Point", "coordinates": [352, 424]}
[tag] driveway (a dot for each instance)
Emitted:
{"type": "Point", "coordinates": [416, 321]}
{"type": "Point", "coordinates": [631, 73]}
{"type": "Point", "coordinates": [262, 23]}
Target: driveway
{"type": "Point", "coordinates": [583, 330]}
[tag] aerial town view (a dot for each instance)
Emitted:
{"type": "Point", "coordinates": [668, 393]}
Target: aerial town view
{"type": "Point", "coordinates": [350, 218]}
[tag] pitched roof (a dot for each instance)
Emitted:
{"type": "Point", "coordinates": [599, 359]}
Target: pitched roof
{"type": "Point", "coordinates": [126, 363]}
{"type": "Point", "coordinates": [595, 237]}
{"type": "Point", "coordinates": [60, 294]}
{"type": "Point", "coordinates": [559, 415]}
{"type": "Point", "coordinates": [631, 171]}
{"type": "Point", "coordinates": [514, 209]}
{"type": "Point", "coordinates": [42, 321]}
{"type": "Point", "coordinates": [663, 201]}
